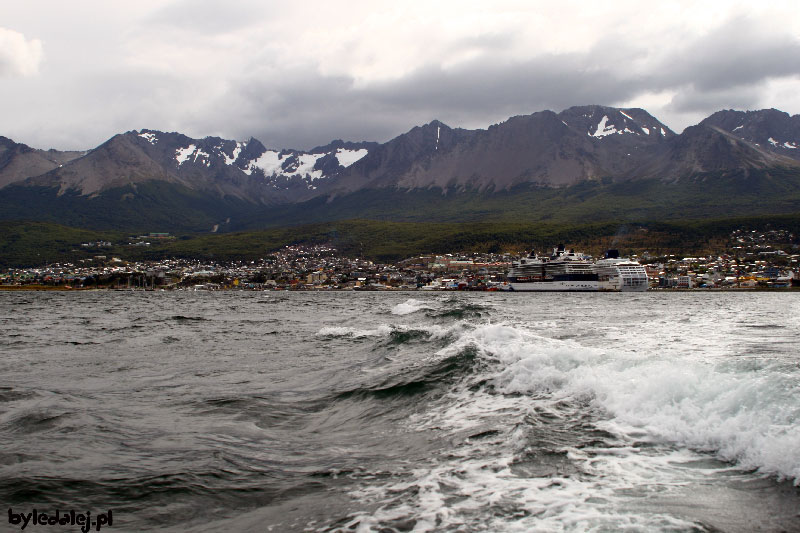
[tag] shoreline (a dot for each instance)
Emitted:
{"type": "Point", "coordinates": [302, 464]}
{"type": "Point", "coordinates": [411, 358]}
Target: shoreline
{"type": "Point", "coordinates": [57, 288]}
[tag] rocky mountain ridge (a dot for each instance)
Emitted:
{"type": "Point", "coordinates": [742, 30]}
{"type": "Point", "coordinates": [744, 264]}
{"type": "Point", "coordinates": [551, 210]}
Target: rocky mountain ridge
{"type": "Point", "coordinates": [544, 148]}
{"type": "Point", "coordinates": [152, 175]}
{"type": "Point", "coordinates": [244, 170]}
{"type": "Point", "coordinates": [19, 161]}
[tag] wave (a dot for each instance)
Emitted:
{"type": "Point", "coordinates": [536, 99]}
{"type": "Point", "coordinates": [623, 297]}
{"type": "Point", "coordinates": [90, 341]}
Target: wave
{"type": "Point", "coordinates": [448, 308]}
{"type": "Point", "coordinates": [460, 312]}
{"type": "Point", "coordinates": [745, 413]}
{"type": "Point", "coordinates": [551, 435]}
{"type": "Point", "coordinates": [395, 334]}
{"type": "Point", "coordinates": [37, 420]}
{"type": "Point", "coordinates": [410, 306]}
{"type": "Point", "coordinates": [10, 394]}
{"type": "Point", "coordinates": [416, 380]}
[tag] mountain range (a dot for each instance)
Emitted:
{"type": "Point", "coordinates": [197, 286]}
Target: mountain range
{"type": "Point", "coordinates": [587, 162]}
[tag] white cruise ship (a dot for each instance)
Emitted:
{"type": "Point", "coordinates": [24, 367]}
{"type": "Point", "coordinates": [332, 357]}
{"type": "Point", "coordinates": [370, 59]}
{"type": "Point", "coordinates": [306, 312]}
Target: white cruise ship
{"type": "Point", "coordinates": [566, 270]}
{"type": "Point", "coordinates": [618, 274]}
{"type": "Point", "coordinates": [563, 270]}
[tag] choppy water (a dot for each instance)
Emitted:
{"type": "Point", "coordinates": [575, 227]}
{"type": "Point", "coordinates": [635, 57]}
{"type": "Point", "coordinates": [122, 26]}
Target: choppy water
{"type": "Point", "coordinates": [398, 412]}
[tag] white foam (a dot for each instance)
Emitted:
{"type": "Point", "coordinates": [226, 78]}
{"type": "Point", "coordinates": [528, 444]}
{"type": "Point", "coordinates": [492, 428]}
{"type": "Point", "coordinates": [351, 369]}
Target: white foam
{"type": "Point", "coordinates": [435, 331]}
{"type": "Point", "coordinates": [454, 493]}
{"type": "Point", "coordinates": [346, 331]}
{"type": "Point", "coordinates": [409, 306]}
{"type": "Point", "coordinates": [747, 415]}
{"type": "Point", "coordinates": [682, 406]}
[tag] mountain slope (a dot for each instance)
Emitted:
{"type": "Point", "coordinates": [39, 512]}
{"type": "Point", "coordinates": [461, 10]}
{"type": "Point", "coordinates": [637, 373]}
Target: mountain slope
{"type": "Point", "coordinates": [769, 129]}
{"type": "Point", "coordinates": [19, 161]}
{"type": "Point", "coordinates": [587, 162]}
{"type": "Point", "coordinates": [243, 170]}
{"type": "Point", "coordinates": [544, 148]}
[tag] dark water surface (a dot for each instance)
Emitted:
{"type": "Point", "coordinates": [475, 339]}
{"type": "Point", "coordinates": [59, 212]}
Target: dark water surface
{"type": "Point", "coordinates": [403, 411]}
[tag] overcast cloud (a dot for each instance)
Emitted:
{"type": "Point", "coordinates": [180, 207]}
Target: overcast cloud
{"type": "Point", "coordinates": [296, 76]}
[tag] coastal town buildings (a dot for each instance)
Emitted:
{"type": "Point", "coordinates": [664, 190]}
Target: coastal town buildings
{"type": "Point", "coordinates": [749, 261]}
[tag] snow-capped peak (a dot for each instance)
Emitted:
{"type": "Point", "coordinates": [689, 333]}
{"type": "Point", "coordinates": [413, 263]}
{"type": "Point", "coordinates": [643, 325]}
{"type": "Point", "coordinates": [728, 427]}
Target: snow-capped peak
{"type": "Point", "coordinates": [149, 137]}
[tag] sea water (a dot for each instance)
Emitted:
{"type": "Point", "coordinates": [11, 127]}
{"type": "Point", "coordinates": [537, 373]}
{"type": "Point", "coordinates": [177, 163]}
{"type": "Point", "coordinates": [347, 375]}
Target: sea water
{"type": "Point", "coordinates": [304, 411]}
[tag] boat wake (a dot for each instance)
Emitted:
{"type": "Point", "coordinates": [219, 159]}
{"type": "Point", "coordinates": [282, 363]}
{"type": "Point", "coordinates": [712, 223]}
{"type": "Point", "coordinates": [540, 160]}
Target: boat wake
{"type": "Point", "coordinates": [551, 434]}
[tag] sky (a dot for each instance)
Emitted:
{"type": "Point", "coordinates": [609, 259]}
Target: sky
{"type": "Point", "coordinates": [298, 75]}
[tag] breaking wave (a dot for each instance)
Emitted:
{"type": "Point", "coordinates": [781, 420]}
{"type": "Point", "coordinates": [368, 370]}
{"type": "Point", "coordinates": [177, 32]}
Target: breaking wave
{"type": "Point", "coordinates": [410, 306]}
{"type": "Point", "coordinates": [745, 414]}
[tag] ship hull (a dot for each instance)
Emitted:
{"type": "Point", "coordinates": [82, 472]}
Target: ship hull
{"type": "Point", "coordinates": [631, 286]}
{"type": "Point", "coordinates": [555, 286]}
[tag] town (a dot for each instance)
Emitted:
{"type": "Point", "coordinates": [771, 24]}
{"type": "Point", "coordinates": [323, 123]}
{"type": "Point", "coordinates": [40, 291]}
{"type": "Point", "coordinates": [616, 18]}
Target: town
{"type": "Point", "coordinates": [751, 260]}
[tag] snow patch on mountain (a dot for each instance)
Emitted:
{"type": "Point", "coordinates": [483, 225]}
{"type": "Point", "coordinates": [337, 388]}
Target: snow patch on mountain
{"type": "Point", "coordinates": [269, 162]}
{"type": "Point", "coordinates": [306, 164]}
{"type": "Point", "coordinates": [778, 144]}
{"type": "Point", "coordinates": [229, 160]}
{"type": "Point", "coordinates": [194, 153]}
{"type": "Point", "coordinates": [603, 129]}
{"type": "Point", "coordinates": [274, 163]}
{"type": "Point", "coordinates": [183, 154]}
{"type": "Point", "coordinates": [149, 137]}
{"type": "Point", "coordinates": [348, 157]}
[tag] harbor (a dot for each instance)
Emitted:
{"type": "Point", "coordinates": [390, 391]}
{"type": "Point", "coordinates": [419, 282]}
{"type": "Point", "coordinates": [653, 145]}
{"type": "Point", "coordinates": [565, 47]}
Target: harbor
{"type": "Point", "coordinates": [748, 262]}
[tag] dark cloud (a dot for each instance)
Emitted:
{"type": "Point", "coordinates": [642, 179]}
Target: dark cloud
{"type": "Point", "coordinates": [738, 54]}
{"type": "Point", "coordinates": [692, 100]}
{"type": "Point", "coordinates": [300, 107]}
{"type": "Point", "coordinates": [725, 68]}
{"type": "Point", "coordinates": [728, 68]}
{"type": "Point", "coordinates": [306, 108]}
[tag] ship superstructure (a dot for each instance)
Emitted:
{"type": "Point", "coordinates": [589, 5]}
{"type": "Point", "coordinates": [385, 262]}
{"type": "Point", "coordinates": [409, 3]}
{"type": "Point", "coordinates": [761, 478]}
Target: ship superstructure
{"type": "Point", "coordinates": [567, 270]}
{"type": "Point", "coordinates": [563, 270]}
{"type": "Point", "coordinates": [620, 274]}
